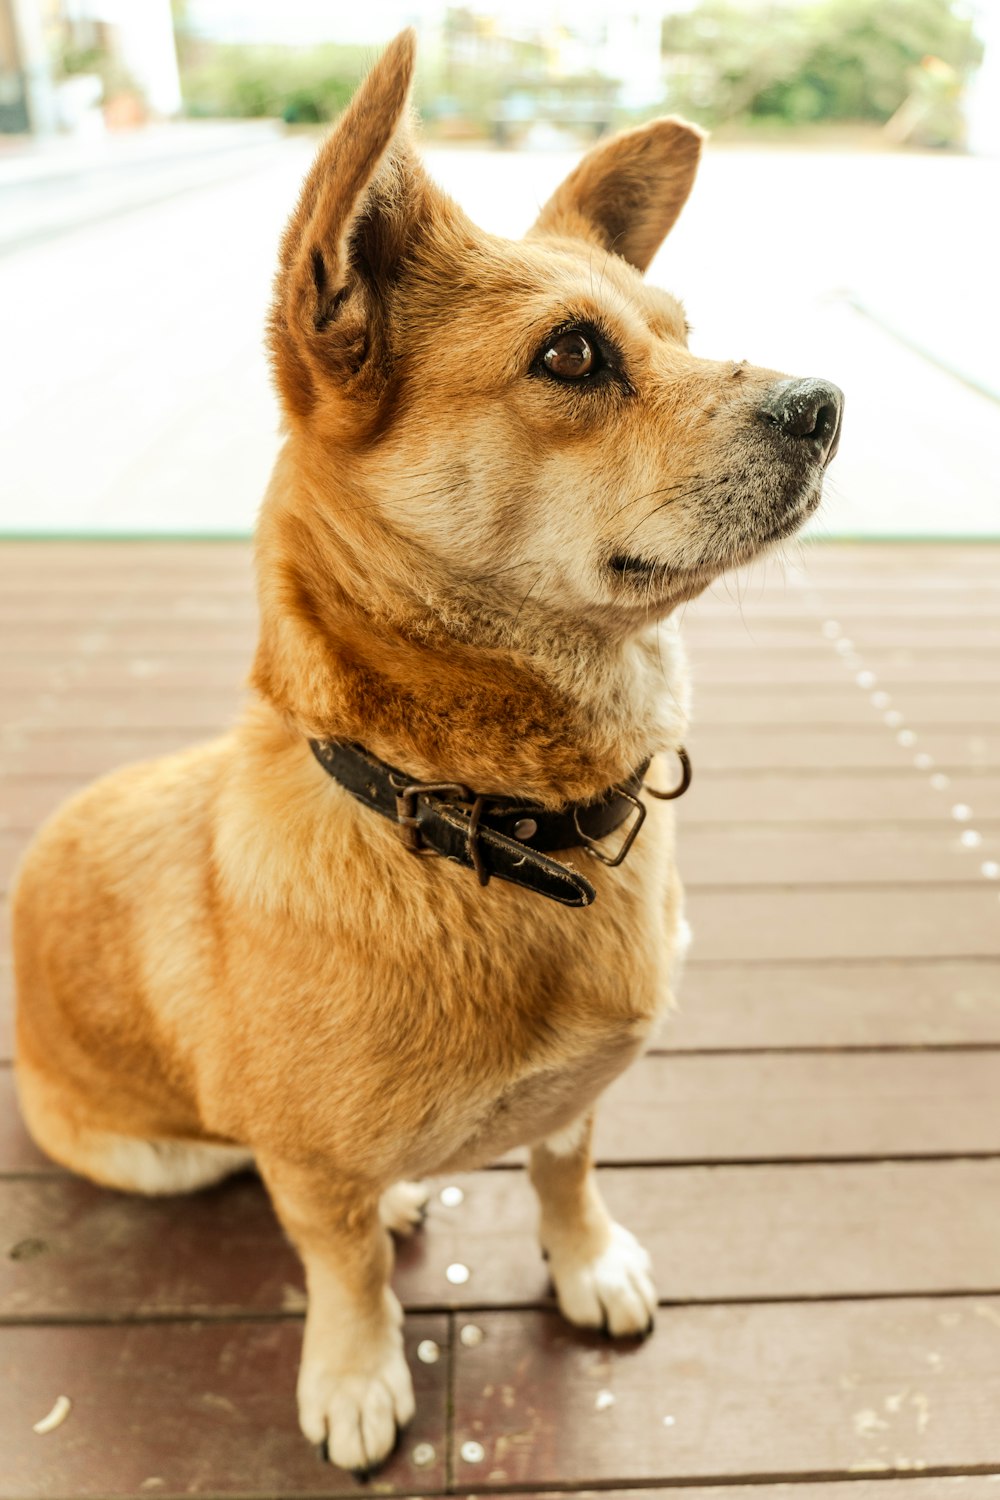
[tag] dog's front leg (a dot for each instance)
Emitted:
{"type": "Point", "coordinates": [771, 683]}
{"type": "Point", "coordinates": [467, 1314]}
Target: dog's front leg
{"type": "Point", "coordinates": [600, 1271]}
{"type": "Point", "coordinates": [355, 1390]}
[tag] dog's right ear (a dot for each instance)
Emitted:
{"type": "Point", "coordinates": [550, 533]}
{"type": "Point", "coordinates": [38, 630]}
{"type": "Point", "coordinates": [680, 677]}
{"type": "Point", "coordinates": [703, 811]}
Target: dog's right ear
{"type": "Point", "coordinates": [350, 227]}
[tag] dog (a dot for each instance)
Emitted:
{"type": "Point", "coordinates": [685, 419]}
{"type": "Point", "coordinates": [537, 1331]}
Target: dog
{"type": "Point", "coordinates": [502, 473]}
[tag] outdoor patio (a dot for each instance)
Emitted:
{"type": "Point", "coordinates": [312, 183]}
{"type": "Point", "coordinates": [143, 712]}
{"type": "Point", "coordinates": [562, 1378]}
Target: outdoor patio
{"type": "Point", "coordinates": [812, 1151]}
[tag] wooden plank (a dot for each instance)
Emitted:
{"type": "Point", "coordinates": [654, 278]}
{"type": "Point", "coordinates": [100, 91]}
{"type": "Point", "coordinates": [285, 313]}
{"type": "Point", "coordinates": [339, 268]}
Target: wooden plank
{"type": "Point", "coordinates": [801, 1107]}
{"type": "Point", "coordinates": [804, 1232]}
{"type": "Point", "coordinates": [748, 854]}
{"type": "Point", "coordinates": [874, 747]}
{"type": "Point", "coordinates": [897, 1003]}
{"type": "Point", "coordinates": [749, 1393]}
{"type": "Point", "coordinates": [951, 1487]}
{"type": "Point", "coordinates": [87, 755]}
{"type": "Point", "coordinates": [186, 1408]}
{"type": "Point", "coordinates": [854, 797]}
{"type": "Point", "coordinates": [106, 637]}
{"type": "Point", "coordinates": [759, 631]}
{"type": "Point", "coordinates": [922, 921]}
{"type": "Point", "coordinates": [70, 710]}
{"type": "Point", "coordinates": [890, 669]}
{"type": "Point", "coordinates": [844, 707]}
{"type": "Point", "coordinates": [18, 1152]}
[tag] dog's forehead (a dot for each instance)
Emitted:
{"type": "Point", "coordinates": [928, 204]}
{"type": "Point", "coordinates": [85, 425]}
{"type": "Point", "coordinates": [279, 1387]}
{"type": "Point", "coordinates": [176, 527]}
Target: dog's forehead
{"type": "Point", "coordinates": [545, 280]}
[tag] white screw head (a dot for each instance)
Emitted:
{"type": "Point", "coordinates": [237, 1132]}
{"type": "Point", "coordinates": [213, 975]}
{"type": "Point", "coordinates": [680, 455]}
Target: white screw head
{"type": "Point", "coordinates": [865, 679]}
{"type": "Point", "coordinates": [604, 1400]}
{"type": "Point", "coordinates": [990, 869]}
{"type": "Point", "coordinates": [893, 718]}
{"type": "Point", "coordinates": [970, 838]}
{"type": "Point", "coordinates": [831, 629]}
{"type": "Point", "coordinates": [424, 1454]}
{"type": "Point", "coordinates": [473, 1452]}
{"type": "Point", "coordinates": [905, 737]}
{"type": "Point", "coordinates": [471, 1336]}
{"type": "Point", "coordinates": [923, 761]}
{"type": "Point", "coordinates": [961, 812]}
{"type": "Point", "coordinates": [458, 1274]}
{"type": "Point", "coordinates": [669, 1421]}
{"type": "Point", "coordinates": [451, 1197]}
{"type": "Point", "coordinates": [428, 1352]}
{"type": "Point", "coordinates": [939, 781]}
{"type": "Point", "coordinates": [880, 699]}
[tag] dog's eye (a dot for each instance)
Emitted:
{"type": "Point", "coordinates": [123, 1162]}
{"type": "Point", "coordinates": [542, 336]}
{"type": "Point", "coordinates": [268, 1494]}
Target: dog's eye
{"type": "Point", "coordinates": [570, 356]}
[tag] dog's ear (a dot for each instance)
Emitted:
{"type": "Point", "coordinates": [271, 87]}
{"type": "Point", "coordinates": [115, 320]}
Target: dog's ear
{"type": "Point", "coordinates": [354, 219]}
{"type": "Point", "coordinates": [627, 192]}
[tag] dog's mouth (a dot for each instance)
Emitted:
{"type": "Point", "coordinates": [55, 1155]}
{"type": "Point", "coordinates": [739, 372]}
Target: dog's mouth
{"type": "Point", "coordinates": [628, 565]}
{"type": "Point", "coordinates": [635, 573]}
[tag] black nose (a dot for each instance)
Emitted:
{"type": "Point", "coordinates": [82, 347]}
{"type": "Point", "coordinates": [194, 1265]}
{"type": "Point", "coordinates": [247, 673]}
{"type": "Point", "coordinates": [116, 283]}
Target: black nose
{"type": "Point", "coordinates": [809, 409]}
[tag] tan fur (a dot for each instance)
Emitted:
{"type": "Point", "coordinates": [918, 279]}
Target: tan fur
{"type": "Point", "coordinates": [220, 953]}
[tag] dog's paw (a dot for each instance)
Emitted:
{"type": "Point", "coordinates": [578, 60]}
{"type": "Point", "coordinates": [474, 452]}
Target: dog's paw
{"type": "Point", "coordinates": [613, 1290]}
{"type": "Point", "coordinates": [355, 1416]}
{"type": "Point", "coordinates": [404, 1207]}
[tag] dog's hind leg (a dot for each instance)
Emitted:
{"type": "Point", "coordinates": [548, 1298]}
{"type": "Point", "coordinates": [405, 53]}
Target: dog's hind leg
{"type": "Point", "coordinates": [600, 1271]}
{"type": "Point", "coordinates": [130, 1163]}
{"type": "Point", "coordinates": [355, 1390]}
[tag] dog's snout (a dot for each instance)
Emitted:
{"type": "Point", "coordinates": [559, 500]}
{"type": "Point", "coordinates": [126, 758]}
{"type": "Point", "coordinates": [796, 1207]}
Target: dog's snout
{"type": "Point", "coordinates": [807, 409]}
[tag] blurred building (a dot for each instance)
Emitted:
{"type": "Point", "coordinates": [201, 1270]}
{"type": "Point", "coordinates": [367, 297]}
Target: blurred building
{"type": "Point", "coordinates": [72, 64]}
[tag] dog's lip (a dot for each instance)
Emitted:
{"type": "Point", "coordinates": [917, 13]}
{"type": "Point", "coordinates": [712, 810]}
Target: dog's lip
{"type": "Point", "coordinates": [624, 563]}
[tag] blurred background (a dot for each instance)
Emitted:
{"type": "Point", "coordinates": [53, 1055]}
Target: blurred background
{"type": "Point", "coordinates": [845, 223]}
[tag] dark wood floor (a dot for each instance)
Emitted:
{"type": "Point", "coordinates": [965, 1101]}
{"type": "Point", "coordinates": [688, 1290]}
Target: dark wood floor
{"type": "Point", "coordinates": [812, 1155]}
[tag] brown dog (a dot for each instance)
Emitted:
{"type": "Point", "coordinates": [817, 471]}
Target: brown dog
{"type": "Point", "coordinates": [503, 472]}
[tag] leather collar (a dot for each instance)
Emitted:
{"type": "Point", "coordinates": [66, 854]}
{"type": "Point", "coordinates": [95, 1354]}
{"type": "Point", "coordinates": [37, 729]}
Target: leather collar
{"type": "Point", "coordinates": [496, 835]}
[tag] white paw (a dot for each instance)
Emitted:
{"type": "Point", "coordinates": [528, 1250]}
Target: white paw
{"type": "Point", "coordinates": [354, 1409]}
{"type": "Point", "coordinates": [613, 1291]}
{"type": "Point", "coordinates": [404, 1207]}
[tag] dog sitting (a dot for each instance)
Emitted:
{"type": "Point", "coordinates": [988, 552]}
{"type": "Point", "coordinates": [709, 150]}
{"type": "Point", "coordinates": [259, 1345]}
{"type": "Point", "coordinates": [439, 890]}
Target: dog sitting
{"type": "Point", "coordinates": [502, 473]}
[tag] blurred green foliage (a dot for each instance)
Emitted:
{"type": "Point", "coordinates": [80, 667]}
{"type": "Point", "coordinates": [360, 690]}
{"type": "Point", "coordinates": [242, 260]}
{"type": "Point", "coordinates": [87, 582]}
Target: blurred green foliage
{"type": "Point", "coordinates": [829, 60]}
{"type": "Point", "coordinates": [298, 85]}
{"type": "Point", "coordinates": [766, 62]}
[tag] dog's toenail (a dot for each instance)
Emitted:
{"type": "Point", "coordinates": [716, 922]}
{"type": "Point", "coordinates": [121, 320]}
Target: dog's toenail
{"type": "Point", "coordinates": [457, 1274]}
{"type": "Point", "coordinates": [424, 1454]}
{"type": "Point", "coordinates": [322, 1452]}
{"type": "Point", "coordinates": [471, 1336]}
{"type": "Point", "coordinates": [428, 1352]}
{"type": "Point", "coordinates": [451, 1197]}
{"type": "Point", "coordinates": [362, 1475]}
{"type": "Point", "coordinates": [473, 1453]}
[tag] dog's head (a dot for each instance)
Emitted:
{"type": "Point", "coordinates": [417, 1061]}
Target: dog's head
{"type": "Point", "coordinates": [526, 416]}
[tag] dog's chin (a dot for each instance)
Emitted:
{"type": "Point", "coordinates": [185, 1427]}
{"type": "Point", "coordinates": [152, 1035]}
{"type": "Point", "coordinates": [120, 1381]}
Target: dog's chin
{"type": "Point", "coordinates": [656, 585]}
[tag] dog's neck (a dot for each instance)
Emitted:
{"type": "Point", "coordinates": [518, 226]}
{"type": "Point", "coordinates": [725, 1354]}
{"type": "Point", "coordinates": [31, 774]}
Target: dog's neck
{"type": "Point", "coordinates": [428, 679]}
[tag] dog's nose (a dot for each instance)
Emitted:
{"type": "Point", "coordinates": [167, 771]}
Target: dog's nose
{"type": "Point", "coordinates": [807, 409]}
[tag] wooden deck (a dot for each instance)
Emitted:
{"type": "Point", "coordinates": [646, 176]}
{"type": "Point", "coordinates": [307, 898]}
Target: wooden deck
{"type": "Point", "coordinates": [812, 1155]}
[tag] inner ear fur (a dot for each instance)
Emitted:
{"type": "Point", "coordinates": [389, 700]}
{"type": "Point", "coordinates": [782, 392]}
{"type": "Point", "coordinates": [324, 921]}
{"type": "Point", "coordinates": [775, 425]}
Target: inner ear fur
{"type": "Point", "coordinates": [627, 192]}
{"type": "Point", "coordinates": [350, 229]}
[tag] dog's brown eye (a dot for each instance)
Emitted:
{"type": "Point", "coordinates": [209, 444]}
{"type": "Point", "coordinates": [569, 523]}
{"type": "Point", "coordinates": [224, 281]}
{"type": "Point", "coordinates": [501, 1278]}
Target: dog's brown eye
{"type": "Point", "coordinates": [569, 356]}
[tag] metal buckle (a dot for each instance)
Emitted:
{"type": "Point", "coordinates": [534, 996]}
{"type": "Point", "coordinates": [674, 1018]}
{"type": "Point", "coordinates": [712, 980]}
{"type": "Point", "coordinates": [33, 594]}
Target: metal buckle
{"type": "Point", "coordinates": [409, 824]}
{"type": "Point", "coordinates": [682, 786]}
{"type": "Point", "coordinates": [593, 847]}
{"type": "Point", "coordinates": [406, 806]}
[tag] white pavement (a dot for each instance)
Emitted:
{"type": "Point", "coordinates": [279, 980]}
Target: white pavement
{"type": "Point", "coordinates": [132, 301]}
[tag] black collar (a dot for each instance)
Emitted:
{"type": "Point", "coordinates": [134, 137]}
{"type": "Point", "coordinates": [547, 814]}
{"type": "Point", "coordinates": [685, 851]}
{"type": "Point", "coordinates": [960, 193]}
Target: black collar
{"type": "Point", "coordinates": [495, 835]}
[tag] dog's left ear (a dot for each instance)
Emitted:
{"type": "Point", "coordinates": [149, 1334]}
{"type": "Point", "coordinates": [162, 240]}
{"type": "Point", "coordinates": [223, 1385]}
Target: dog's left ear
{"type": "Point", "coordinates": [627, 192]}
